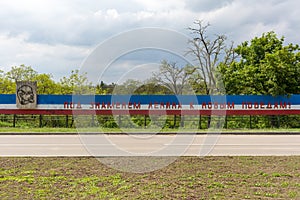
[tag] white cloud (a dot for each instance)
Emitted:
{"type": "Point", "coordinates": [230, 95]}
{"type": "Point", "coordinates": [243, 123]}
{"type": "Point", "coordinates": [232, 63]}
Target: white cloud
{"type": "Point", "coordinates": [112, 14]}
{"type": "Point", "coordinates": [55, 59]}
{"type": "Point", "coordinates": [54, 36]}
{"type": "Point", "coordinates": [242, 20]}
{"type": "Point", "coordinates": [204, 5]}
{"type": "Point", "coordinates": [158, 5]}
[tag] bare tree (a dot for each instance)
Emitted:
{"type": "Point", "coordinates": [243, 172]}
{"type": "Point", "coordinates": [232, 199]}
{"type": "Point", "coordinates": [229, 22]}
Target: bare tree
{"type": "Point", "coordinates": [208, 54]}
{"type": "Point", "coordinates": [174, 78]}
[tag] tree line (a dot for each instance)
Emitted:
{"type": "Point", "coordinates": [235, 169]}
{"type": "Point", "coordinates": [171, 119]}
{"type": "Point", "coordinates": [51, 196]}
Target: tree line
{"type": "Point", "coordinates": [265, 65]}
{"type": "Point", "coordinates": [262, 66]}
{"type": "Point", "coordinates": [73, 83]}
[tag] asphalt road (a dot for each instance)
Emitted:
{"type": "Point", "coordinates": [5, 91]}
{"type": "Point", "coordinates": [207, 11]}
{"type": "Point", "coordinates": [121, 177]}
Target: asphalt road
{"type": "Point", "coordinates": [149, 145]}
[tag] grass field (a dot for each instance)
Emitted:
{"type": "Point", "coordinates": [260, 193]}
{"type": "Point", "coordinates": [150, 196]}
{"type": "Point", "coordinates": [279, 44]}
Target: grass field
{"type": "Point", "coordinates": [116, 130]}
{"type": "Point", "coordinates": [186, 178]}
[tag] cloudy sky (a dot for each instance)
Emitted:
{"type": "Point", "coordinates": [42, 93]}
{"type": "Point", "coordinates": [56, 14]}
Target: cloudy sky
{"type": "Point", "coordinates": [55, 36]}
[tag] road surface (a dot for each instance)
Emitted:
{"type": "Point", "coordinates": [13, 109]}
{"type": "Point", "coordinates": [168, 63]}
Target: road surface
{"type": "Point", "coordinates": [149, 145]}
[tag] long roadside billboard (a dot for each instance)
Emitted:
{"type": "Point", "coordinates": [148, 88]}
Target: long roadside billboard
{"type": "Point", "coordinates": [156, 104]}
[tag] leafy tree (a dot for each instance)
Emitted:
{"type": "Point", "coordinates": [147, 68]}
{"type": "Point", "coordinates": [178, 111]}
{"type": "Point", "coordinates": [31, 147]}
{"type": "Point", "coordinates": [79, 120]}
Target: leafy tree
{"type": "Point", "coordinates": [197, 83]}
{"type": "Point", "coordinates": [104, 88]}
{"type": "Point", "coordinates": [76, 83]}
{"type": "Point", "coordinates": [45, 84]}
{"type": "Point", "coordinates": [101, 88]}
{"type": "Point", "coordinates": [7, 86]}
{"type": "Point", "coordinates": [21, 73]}
{"type": "Point", "coordinates": [265, 66]}
{"type": "Point", "coordinates": [150, 87]}
{"type": "Point", "coordinates": [132, 86]}
{"type": "Point", "coordinates": [2, 74]}
{"type": "Point", "coordinates": [128, 87]}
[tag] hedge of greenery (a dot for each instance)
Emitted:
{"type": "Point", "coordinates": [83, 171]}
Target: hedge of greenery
{"type": "Point", "coordinates": [141, 121]}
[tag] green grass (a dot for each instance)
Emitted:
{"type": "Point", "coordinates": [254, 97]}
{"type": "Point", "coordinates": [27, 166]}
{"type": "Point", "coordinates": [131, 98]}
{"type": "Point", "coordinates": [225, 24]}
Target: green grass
{"type": "Point", "coordinates": [186, 178]}
{"type": "Point", "coordinates": [141, 130]}
{"type": "Point", "coordinates": [36, 130]}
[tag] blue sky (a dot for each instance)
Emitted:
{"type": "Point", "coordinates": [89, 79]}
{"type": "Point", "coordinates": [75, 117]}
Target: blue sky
{"type": "Point", "coordinates": [55, 36]}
